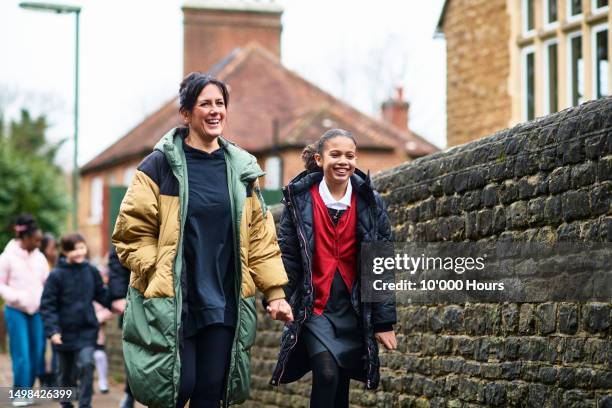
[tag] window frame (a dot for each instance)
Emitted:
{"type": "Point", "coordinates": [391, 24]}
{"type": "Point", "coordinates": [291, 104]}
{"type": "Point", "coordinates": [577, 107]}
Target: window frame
{"type": "Point", "coordinates": [525, 51]}
{"type": "Point", "coordinates": [596, 29]}
{"type": "Point", "coordinates": [570, 89]}
{"type": "Point", "coordinates": [597, 10]}
{"type": "Point", "coordinates": [568, 9]}
{"type": "Point", "coordinates": [545, 50]}
{"type": "Point", "coordinates": [96, 200]}
{"type": "Point", "coordinates": [547, 24]}
{"type": "Point", "coordinates": [525, 19]}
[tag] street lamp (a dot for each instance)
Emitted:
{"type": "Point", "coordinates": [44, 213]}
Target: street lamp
{"type": "Point", "coordinates": [64, 9]}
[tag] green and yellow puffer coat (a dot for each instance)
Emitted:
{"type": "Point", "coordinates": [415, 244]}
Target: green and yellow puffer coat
{"type": "Point", "coordinates": [148, 237]}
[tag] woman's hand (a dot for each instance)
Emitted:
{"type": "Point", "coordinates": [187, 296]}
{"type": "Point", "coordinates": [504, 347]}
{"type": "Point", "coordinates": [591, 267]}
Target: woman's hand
{"type": "Point", "coordinates": [279, 309]}
{"type": "Point", "coordinates": [56, 339]}
{"type": "Point", "coordinates": [387, 339]}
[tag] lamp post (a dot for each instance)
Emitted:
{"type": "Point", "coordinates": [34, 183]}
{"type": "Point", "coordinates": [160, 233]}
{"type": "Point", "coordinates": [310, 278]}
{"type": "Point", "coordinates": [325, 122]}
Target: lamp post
{"type": "Point", "coordinates": [65, 9]}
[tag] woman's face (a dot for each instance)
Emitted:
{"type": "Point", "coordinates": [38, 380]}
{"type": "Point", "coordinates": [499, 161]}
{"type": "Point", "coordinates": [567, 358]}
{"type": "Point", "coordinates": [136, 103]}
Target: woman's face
{"type": "Point", "coordinates": [338, 160]}
{"type": "Point", "coordinates": [208, 115]}
{"type": "Point", "coordinates": [31, 242]}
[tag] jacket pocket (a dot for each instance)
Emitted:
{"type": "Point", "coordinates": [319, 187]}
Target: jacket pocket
{"type": "Point", "coordinates": [149, 323]}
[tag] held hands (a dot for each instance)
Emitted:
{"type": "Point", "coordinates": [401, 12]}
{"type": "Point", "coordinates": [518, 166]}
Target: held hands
{"type": "Point", "coordinates": [387, 339]}
{"type": "Point", "coordinates": [279, 309]}
{"type": "Point", "coordinates": [56, 339]}
{"type": "Point", "coordinates": [118, 306]}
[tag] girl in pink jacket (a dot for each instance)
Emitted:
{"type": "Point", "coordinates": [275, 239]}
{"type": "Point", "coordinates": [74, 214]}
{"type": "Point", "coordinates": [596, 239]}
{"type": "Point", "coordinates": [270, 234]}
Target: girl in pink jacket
{"type": "Point", "coordinates": [23, 272]}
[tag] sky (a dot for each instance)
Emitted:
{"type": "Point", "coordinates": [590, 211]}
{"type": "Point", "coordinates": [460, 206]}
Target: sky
{"type": "Point", "coordinates": [131, 61]}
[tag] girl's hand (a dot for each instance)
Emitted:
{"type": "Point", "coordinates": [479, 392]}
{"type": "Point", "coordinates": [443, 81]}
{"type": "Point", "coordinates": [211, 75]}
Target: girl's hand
{"type": "Point", "coordinates": [279, 309]}
{"type": "Point", "coordinates": [387, 339]}
{"type": "Point", "coordinates": [56, 339]}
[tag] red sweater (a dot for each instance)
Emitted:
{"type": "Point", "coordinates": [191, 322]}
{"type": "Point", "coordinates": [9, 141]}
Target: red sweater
{"type": "Point", "coordinates": [335, 248]}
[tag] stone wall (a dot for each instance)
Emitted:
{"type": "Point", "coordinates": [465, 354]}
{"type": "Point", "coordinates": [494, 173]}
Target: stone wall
{"type": "Point", "coordinates": [548, 180]}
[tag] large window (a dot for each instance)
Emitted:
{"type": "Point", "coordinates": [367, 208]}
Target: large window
{"type": "Point", "coordinates": [551, 71]}
{"type": "Point", "coordinates": [528, 17]}
{"type": "Point", "coordinates": [528, 83]}
{"type": "Point", "coordinates": [601, 66]}
{"type": "Point", "coordinates": [551, 15]}
{"type": "Point", "coordinates": [576, 69]}
{"type": "Point", "coordinates": [574, 9]}
{"type": "Point", "coordinates": [273, 180]}
{"type": "Point", "coordinates": [96, 204]}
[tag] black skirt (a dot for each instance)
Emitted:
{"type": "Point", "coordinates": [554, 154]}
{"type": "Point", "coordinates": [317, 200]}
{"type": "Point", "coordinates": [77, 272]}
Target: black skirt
{"type": "Point", "coordinates": [337, 329]}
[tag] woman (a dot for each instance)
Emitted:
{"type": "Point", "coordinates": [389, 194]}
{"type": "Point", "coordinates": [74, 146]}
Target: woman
{"type": "Point", "coordinates": [198, 239]}
{"type": "Point", "coordinates": [23, 272]}
{"type": "Point", "coordinates": [330, 209]}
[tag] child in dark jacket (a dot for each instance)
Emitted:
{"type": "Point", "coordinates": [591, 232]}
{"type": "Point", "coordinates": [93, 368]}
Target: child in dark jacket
{"type": "Point", "coordinates": [69, 316]}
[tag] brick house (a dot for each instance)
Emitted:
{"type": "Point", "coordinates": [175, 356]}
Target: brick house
{"type": "Point", "coordinates": [509, 61]}
{"type": "Point", "coordinates": [273, 112]}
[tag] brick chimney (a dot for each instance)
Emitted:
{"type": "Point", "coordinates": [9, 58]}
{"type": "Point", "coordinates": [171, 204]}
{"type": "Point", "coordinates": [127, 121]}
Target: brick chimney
{"type": "Point", "coordinates": [213, 28]}
{"type": "Point", "coordinates": [395, 111]}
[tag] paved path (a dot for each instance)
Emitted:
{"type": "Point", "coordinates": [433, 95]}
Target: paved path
{"type": "Point", "coordinates": [110, 400]}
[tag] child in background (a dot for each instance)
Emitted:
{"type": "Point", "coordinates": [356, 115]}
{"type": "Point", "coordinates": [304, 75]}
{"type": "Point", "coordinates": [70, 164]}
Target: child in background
{"type": "Point", "coordinates": [48, 247]}
{"type": "Point", "coordinates": [102, 314]}
{"type": "Point", "coordinates": [69, 316]}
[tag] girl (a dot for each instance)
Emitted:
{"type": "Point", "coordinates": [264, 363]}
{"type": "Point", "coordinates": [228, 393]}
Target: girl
{"type": "Point", "coordinates": [23, 272]}
{"type": "Point", "coordinates": [330, 209]}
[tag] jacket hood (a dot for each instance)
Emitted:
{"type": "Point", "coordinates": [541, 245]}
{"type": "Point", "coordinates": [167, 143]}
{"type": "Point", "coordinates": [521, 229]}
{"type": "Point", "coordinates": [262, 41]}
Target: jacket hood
{"type": "Point", "coordinates": [361, 183]}
{"type": "Point", "coordinates": [243, 163]}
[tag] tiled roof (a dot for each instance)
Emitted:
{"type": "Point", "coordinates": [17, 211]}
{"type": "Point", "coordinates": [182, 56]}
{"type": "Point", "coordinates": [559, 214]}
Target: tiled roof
{"type": "Point", "coordinates": [262, 90]}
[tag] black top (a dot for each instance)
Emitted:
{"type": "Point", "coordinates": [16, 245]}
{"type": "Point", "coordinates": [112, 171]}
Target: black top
{"type": "Point", "coordinates": [208, 242]}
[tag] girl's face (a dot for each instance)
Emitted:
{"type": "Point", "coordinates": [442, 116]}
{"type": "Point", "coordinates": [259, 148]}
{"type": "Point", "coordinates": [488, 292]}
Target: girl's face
{"type": "Point", "coordinates": [78, 254]}
{"type": "Point", "coordinates": [208, 115]}
{"type": "Point", "coordinates": [31, 242]}
{"type": "Point", "coordinates": [338, 160]}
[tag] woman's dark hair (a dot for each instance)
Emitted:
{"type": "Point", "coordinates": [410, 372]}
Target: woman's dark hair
{"type": "Point", "coordinates": [44, 243]}
{"type": "Point", "coordinates": [68, 242]}
{"type": "Point", "coordinates": [25, 226]}
{"type": "Point", "coordinates": [317, 147]}
{"type": "Point", "coordinates": [192, 85]}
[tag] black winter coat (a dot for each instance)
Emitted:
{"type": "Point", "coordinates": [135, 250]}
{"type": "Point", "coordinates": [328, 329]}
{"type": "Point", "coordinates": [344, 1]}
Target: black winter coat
{"type": "Point", "coordinates": [118, 277]}
{"type": "Point", "coordinates": [296, 239]}
{"type": "Point", "coordinates": [66, 304]}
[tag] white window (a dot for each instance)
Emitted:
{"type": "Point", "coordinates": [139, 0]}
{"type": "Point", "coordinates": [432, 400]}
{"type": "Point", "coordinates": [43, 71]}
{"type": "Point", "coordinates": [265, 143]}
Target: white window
{"type": "Point", "coordinates": [97, 197]}
{"type": "Point", "coordinates": [575, 71]}
{"type": "Point", "coordinates": [528, 17]}
{"type": "Point", "coordinates": [601, 65]}
{"type": "Point", "coordinates": [128, 174]}
{"type": "Point", "coordinates": [528, 82]}
{"type": "Point", "coordinates": [551, 13]}
{"type": "Point", "coordinates": [273, 173]}
{"type": "Point", "coordinates": [551, 77]}
{"type": "Point", "coordinates": [599, 6]}
{"type": "Point", "coordinates": [573, 9]}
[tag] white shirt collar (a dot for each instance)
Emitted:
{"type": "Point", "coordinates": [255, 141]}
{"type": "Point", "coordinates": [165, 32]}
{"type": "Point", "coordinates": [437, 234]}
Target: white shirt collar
{"type": "Point", "coordinates": [330, 201]}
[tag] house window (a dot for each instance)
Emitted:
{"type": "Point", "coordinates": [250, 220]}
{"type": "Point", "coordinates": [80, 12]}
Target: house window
{"type": "Point", "coordinates": [273, 173]}
{"type": "Point", "coordinates": [599, 6]}
{"type": "Point", "coordinates": [576, 69]}
{"type": "Point", "coordinates": [528, 17]}
{"type": "Point", "coordinates": [551, 72]}
{"type": "Point", "coordinates": [128, 174]}
{"type": "Point", "coordinates": [529, 83]}
{"type": "Point", "coordinates": [550, 12]}
{"type": "Point", "coordinates": [574, 9]}
{"type": "Point", "coordinates": [96, 197]}
{"type": "Point", "coordinates": [601, 66]}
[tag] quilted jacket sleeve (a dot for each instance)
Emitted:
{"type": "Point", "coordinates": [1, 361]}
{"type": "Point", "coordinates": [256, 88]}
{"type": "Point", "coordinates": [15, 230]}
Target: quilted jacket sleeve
{"type": "Point", "coordinates": [265, 262]}
{"type": "Point", "coordinates": [137, 228]}
{"type": "Point", "coordinates": [290, 248]}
